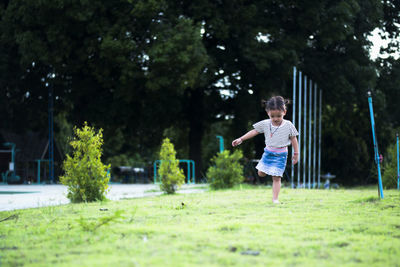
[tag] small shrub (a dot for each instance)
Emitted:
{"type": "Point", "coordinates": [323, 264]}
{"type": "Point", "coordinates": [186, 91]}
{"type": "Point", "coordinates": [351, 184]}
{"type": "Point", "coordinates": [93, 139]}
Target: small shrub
{"type": "Point", "coordinates": [389, 178]}
{"type": "Point", "coordinates": [171, 175]}
{"type": "Point", "coordinates": [226, 171]}
{"type": "Point", "coordinates": [85, 174]}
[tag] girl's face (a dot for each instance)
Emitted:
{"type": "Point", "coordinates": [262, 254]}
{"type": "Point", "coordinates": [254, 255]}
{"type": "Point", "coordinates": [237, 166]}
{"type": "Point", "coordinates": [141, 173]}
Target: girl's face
{"type": "Point", "coordinates": [276, 116]}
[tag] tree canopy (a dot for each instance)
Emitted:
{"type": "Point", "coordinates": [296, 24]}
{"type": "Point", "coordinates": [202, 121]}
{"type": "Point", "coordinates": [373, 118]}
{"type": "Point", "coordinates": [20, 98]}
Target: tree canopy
{"type": "Point", "coordinates": [143, 70]}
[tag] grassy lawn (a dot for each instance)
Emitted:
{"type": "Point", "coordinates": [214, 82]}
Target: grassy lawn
{"type": "Point", "coordinates": [239, 227]}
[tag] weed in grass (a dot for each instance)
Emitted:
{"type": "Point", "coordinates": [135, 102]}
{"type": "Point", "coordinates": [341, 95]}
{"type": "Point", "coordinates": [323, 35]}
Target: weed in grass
{"type": "Point", "coordinates": [10, 217]}
{"type": "Point", "coordinates": [132, 216]}
{"type": "Point", "coordinates": [93, 226]}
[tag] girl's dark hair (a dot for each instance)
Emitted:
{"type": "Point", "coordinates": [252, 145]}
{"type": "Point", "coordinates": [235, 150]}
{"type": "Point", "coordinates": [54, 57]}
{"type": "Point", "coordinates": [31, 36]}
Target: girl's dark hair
{"type": "Point", "coordinates": [275, 103]}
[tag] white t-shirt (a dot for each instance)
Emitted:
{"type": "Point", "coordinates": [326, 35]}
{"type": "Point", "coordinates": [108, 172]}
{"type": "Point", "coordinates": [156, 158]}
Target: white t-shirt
{"type": "Point", "coordinates": [280, 134]}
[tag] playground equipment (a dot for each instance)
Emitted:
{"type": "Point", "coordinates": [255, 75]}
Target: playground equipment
{"type": "Point", "coordinates": [10, 174]}
{"type": "Point", "coordinates": [309, 164]}
{"type": "Point", "coordinates": [398, 169]}
{"type": "Point", "coordinates": [39, 161]}
{"type": "Point", "coordinates": [190, 175]}
{"type": "Point", "coordinates": [376, 152]}
{"type": "Point", "coordinates": [221, 143]}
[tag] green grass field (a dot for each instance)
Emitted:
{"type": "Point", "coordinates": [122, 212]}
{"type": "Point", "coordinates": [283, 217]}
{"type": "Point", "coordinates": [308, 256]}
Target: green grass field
{"type": "Point", "coordinates": [239, 227]}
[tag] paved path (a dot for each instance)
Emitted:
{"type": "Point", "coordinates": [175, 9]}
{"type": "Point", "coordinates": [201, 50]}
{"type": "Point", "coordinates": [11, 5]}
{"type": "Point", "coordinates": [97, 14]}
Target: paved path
{"type": "Point", "coordinates": [14, 197]}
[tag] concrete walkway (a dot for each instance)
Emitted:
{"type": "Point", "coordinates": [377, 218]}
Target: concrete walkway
{"type": "Point", "coordinates": [13, 197]}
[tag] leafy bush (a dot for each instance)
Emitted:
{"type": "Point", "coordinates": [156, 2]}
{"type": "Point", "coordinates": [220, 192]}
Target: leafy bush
{"type": "Point", "coordinates": [85, 174]}
{"type": "Point", "coordinates": [226, 170]}
{"type": "Point", "coordinates": [172, 176]}
{"type": "Point", "coordinates": [389, 179]}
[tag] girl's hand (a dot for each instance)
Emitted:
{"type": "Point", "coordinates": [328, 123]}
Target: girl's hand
{"type": "Point", "coordinates": [237, 142]}
{"type": "Point", "coordinates": [295, 158]}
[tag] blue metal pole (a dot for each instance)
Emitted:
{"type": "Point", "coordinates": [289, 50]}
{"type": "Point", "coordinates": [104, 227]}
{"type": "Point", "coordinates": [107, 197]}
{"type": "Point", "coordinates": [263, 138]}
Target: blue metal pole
{"type": "Point", "coordinates": [293, 119]}
{"type": "Point", "coordinates": [319, 137]}
{"type": "Point", "coordinates": [221, 143]}
{"type": "Point", "coordinates": [315, 134]}
{"type": "Point", "coordinates": [376, 152]}
{"type": "Point", "coordinates": [51, 136]}
{"type": "Point", "coordinates": [188, 170]}
{"type": "Point", "coordinates": [38, 175]}
{"type": "Point", "coordinates": [13, 153]}
{"type": "Point", "coordinates": [155, 171]}
{"type": "Point", "coordinates": [300, 133]}
{"type": "Point", "coordinates": [398, 169]}
{"type": "Point", "coordinates": [309, 134]}
{"type": "Point", "coordinates": [193, 171]}
{"type": "Point", "coordinates": [305, 132]}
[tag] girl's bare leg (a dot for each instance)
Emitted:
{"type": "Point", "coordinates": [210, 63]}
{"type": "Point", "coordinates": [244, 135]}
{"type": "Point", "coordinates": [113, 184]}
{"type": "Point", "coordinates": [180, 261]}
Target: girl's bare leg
{"type": "Point", "coordinates": [276, 187]}
{"type": "Point", "coordinates": [261, 174]}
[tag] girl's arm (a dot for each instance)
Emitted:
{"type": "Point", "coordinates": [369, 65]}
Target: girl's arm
{"type": "Point", "coordinates": [248, 135]}
{"type": "Point", "coordinates": [295, 146]}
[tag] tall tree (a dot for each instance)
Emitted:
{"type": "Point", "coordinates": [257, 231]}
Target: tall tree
{"type": "Point", "coordinates": [115, 64]}
{"type": "Point", "coordinates": [141, 69]}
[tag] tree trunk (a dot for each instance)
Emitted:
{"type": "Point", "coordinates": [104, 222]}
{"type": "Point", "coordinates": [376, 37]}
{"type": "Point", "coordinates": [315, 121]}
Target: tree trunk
{"type": "Point", "coordinates": [195, 117]}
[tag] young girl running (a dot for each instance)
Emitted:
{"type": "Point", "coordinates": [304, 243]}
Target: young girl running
{"type": "Point", "coordinates": [279, 134]}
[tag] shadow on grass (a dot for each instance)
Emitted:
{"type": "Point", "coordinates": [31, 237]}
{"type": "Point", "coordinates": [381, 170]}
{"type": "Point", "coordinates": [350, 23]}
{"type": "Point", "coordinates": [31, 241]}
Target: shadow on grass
{"type": "Point", "coordinates": [370, 199]}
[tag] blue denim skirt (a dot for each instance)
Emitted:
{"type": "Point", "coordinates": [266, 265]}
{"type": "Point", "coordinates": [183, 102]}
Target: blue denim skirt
{"type": "Point", "coordinates": [273, 161]}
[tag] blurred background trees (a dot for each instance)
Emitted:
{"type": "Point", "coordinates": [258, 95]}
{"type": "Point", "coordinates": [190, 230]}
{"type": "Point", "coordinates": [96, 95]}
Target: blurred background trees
{"type": "Point", "coordinates": [188, 70]}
